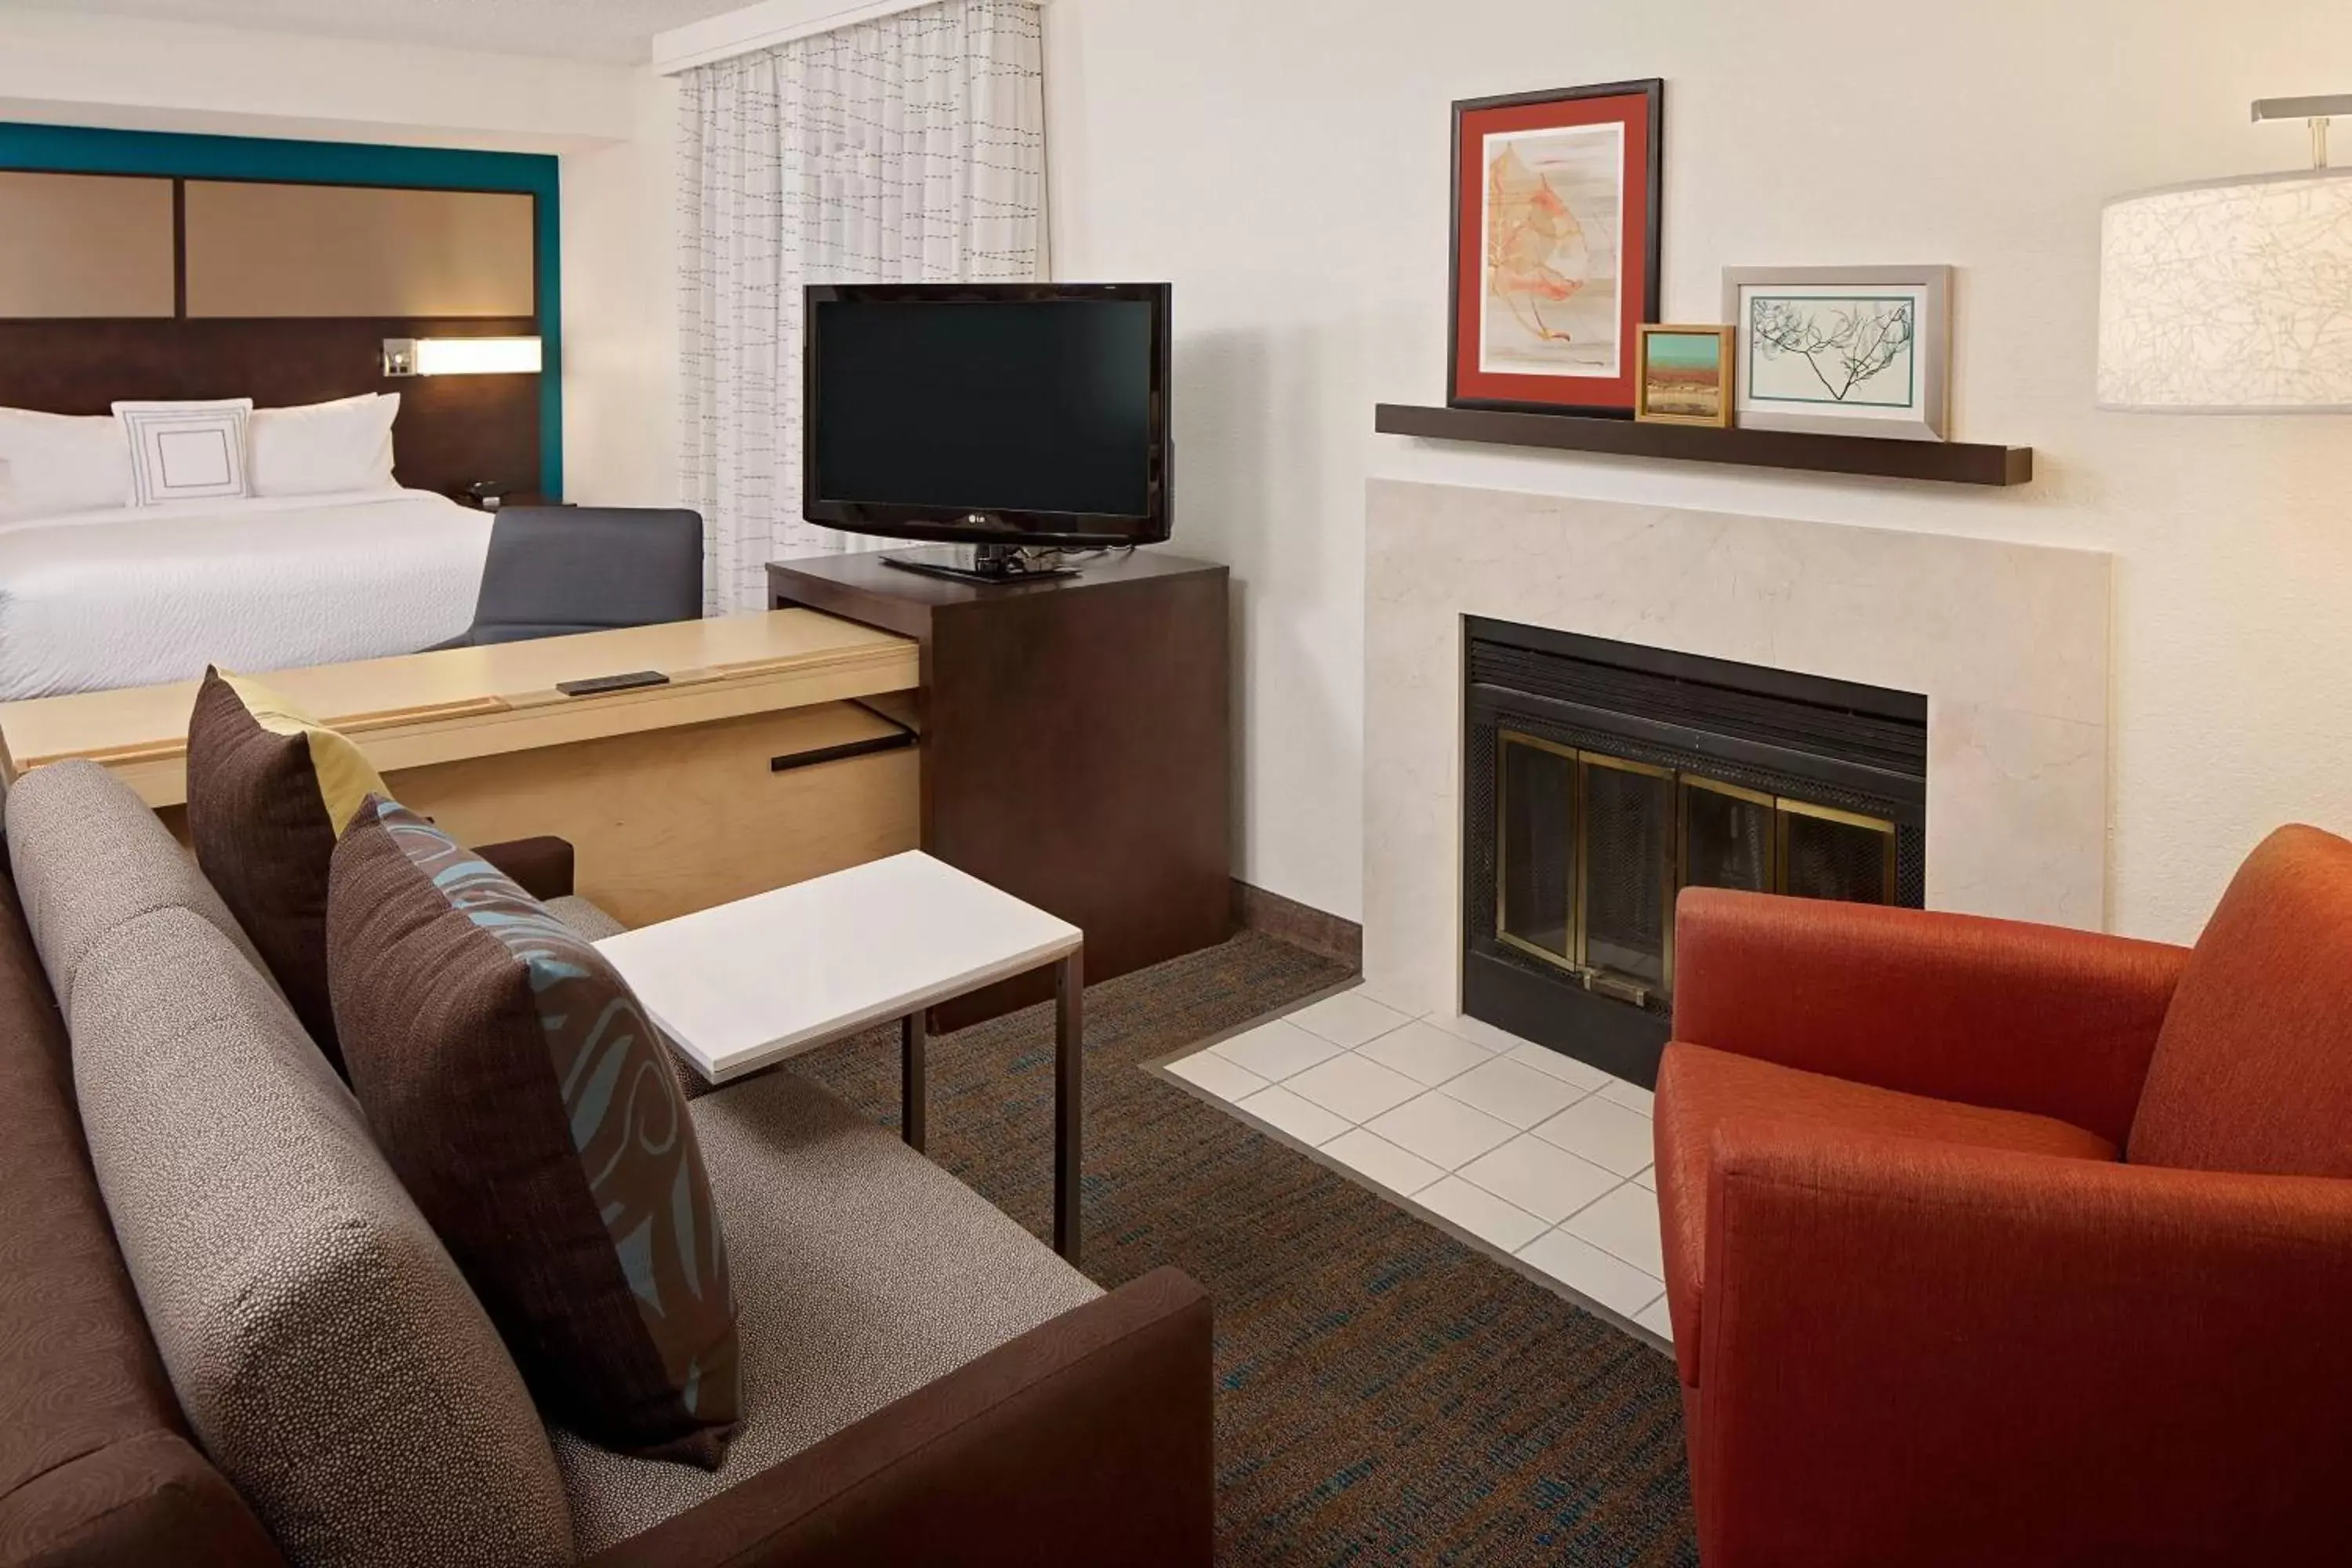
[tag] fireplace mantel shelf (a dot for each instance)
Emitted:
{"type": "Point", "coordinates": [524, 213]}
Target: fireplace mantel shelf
{"type": "Point", "coordinates": [1947, 462]}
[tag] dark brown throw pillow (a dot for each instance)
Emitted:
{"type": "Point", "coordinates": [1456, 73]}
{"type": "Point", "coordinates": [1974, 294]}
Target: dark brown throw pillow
{"type": "Point", "coordinates": [528, 1106]}
{"type": "Point", "coordinates": [270, 791]}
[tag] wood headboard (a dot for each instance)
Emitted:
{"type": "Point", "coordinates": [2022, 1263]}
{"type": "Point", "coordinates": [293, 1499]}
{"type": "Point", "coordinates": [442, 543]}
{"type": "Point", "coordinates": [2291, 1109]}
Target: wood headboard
{"type": "Point", "coordinates": [453, 430]}
{"type": "Point", "coordinates": [144, 266]}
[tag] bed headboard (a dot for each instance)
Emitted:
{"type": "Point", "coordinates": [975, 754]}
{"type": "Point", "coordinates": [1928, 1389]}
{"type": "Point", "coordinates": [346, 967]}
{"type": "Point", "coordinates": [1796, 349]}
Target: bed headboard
{"type": "Point", "coordinates": [137, 265]}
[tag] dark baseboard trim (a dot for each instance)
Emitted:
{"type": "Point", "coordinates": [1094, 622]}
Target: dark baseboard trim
{"type": "Point", "coordinates": [1325, 935]}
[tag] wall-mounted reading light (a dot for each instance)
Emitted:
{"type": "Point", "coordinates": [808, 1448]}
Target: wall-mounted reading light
{"type": "Point", "coordinates": [461, 356]}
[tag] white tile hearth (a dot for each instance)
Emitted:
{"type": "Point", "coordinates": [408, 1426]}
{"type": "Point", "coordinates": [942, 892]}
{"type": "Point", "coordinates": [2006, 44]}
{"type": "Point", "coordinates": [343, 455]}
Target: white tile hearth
{"type": "Point", "coordinates": [1277, 1051]}
{"type": "Point", "coordinates": [1478, 1031]}
{"type": "Point", "coordinates": [1355, 1087]}
{"type": "Point", "coordinates": [1632, 1096]}
{"type": "Point", "coordinates": [1302, 1118]}
{"type": "Point", "coordinates": [1425, 1053]}
{"type": "Point", "coordinates": [1348, 1019]}
{"type": "Point", "coordinates": [1442, 1130]}
{"type": "Point", "coordinates": [1535, 1157]}
{"type": "Point", "coordinates": [1568, 1070]}
{"type": "Point", "coordinates": [1623, 1223]}
{"type": "Point", "coordinates": [1225, 1078]}
{"type": "Point", "coordinates": [1587, 1270]}
{"type": "Point", "coordinates": [1550, 1182]}
{"type": "Point", "coordinates": [1612, 1136]}
{"type": "Point", "coordinates": [1482, 1214]}
{"type": "Point", "coordinates": [1389, 1166]}
{"type": "Point", "coordinates": [1513, 1091]}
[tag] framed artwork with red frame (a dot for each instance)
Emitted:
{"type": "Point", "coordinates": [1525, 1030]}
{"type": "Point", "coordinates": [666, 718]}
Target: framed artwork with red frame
{"type": "Point", "coordinates": [1555, 204]}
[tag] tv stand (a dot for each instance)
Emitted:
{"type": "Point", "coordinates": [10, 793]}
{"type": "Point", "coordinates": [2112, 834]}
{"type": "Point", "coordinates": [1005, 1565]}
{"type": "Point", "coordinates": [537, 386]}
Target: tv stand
{"type": "Point", "coordinates": [995, 563]}
{"type": "Point", "coordinates": [1078, 744]}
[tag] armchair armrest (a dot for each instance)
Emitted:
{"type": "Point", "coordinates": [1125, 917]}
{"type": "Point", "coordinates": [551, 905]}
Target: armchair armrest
{"type": "Point", "coordinates": [1993, 1012]}
{"type": "Point", "coordinates": [1085, 1440]}
{"type": "Point", "coordinates": [540, 866]}
{"type": "Point", "coordinates": [1925, 1355]}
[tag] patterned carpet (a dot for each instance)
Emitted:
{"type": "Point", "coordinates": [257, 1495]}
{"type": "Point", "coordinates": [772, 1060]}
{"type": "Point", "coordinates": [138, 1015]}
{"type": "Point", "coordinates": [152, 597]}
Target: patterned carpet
{"type": "Point", "coordinates": [1386, 1394]}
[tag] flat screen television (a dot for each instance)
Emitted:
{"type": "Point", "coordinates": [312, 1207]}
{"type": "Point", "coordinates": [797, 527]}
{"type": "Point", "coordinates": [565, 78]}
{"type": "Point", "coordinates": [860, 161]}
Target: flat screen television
{"type": "Point", "coordinates": [1005, 416]}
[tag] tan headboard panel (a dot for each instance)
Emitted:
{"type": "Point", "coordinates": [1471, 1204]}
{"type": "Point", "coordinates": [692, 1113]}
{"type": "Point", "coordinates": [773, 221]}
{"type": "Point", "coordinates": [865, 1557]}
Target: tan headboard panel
{"type": "Point", "coordinates": [217, 266]}
{"type": "Point", "coordinates": [81, 246]}
{"type": "Point", "coordinates": [257, 250]}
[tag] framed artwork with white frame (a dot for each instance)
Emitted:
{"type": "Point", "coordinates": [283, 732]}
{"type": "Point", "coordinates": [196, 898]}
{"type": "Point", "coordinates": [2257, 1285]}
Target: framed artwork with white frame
{"type": "Point", "coordinates": [1842, 351]}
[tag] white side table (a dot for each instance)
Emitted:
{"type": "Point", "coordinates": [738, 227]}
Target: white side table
{"type": "Point", "coordinates": [744, 985]}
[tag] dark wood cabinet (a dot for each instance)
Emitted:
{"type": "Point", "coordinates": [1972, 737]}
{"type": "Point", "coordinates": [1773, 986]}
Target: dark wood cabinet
{"type": "Point", "coordinates": [1078, 747]}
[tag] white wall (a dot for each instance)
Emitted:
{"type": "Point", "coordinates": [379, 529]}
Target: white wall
{"type": "Point", "coordinates": [1284, 162]}
{"type": "Point", "coordinates": [620, 309]}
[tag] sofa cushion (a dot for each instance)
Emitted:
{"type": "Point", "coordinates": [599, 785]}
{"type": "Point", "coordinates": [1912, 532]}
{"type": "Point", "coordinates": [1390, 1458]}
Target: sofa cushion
{"type": "Point", "coordinates": [1699, 1090]}
{"type": "Point", "coordinates": [2252, 1071]}
{"type": "Point", "coordinates": [863, 1272]}
{"type": "Point", "coordinates": [90, 855]}
{"type": "Point", "coordinates": [516, 1085]}
{"type": "Point", "coordinates": [270, 791]}
{"type": "Point", "coordinates": [96, 1466]}
{"type": "Point", "coordinates": [325, 1348]}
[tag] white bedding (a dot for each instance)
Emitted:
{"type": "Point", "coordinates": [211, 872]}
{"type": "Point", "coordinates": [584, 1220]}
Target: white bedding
{"type": "Point", "coordinates": [144, 595]}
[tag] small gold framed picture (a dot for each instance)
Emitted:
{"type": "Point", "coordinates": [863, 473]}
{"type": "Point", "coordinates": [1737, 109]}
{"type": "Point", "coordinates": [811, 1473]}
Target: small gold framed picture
{"type": "Point", "coordinates": [1682, 376]}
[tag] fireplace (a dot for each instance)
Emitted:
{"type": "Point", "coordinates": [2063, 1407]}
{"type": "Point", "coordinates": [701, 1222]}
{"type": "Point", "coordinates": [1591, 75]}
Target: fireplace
{"type": "Point", "coordinates": [1601, 777]}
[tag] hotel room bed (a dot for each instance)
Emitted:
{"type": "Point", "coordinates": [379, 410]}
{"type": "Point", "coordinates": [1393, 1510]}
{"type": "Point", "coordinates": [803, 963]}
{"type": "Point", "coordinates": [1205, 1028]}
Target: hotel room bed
{"type": "Point", "coordinates": [154, 593]}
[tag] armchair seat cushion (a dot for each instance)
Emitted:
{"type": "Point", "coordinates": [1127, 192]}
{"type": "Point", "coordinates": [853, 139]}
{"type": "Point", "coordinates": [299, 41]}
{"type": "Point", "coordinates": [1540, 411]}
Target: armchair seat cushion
{"type": "Point", "coordinates": [1699, 1090]}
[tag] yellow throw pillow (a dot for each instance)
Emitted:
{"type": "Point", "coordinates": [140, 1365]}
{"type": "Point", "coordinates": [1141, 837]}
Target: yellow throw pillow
{"type": "Point", "coordinates": [345, 777]}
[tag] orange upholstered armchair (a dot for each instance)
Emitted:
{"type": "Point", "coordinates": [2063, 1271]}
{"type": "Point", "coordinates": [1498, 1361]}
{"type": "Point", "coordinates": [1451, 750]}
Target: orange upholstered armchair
{"type": "Point", "coordinates": [1990, 1243]}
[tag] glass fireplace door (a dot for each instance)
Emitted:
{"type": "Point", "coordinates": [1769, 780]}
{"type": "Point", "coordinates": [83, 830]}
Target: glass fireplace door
{"type": "Point", "coordinates": [1626, 895]}
{"type": "Point", "coordinates": [1536, 844]}
{"type": "Point", "coordinates": [1585, 872]}
{"type": "Point", "coordinates": [1591, 851]}
{"type": "Point", "coordinates": [1728, 836]}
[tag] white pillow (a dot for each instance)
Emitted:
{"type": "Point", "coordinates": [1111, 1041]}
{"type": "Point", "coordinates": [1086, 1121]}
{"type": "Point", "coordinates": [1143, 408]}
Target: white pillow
{"type": "Point", "coordinates": [51, 464]}
{"type": "Point", "coordinates": [321, 448]}
{"type": "Point", "coordinates": [185, 452]}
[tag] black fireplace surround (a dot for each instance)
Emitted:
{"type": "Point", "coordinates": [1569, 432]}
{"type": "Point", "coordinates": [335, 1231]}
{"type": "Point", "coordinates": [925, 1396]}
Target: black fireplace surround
{"type": "Point", "coordinates": [1600, 778]}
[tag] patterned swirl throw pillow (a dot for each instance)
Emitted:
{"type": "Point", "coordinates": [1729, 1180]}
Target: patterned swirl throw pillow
{"type": "Point", "coordinates": [531, 1109]}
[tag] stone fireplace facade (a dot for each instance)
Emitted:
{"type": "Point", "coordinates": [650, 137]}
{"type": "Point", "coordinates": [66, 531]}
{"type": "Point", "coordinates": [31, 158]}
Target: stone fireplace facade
{"type": "Point", "coordinates": [2000, 651]}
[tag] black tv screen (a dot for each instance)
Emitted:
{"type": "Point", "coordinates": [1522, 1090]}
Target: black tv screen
{"type": "Point", "coordinates": [1007, 413]}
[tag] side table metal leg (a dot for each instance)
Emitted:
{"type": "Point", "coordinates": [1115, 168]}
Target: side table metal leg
{"type": "Point", "coordinates": [1069, 1098]}
{"type": "Point", "coordinates": [914, 1094]}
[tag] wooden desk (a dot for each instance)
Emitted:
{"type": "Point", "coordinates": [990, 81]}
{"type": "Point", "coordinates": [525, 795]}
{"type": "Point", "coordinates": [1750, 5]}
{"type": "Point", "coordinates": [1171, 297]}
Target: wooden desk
{"type": "Point", "coordinates": [667, 792]}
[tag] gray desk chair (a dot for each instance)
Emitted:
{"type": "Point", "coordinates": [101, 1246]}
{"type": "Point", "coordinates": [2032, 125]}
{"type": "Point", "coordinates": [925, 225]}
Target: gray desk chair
{"type": "Point", "coordinates": [552, 571]}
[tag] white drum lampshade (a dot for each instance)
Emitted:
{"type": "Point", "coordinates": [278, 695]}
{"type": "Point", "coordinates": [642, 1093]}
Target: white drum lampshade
{"type": "Point", "coordinates": [2229, 298]}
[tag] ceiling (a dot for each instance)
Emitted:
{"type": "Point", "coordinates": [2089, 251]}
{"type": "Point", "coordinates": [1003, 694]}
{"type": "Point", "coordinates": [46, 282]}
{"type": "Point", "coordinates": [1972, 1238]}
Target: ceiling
{"type": "Point", "coordinates": [614, 30]}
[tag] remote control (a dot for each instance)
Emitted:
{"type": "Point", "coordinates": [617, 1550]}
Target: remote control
{"type": "Point", "coordinates": [603, 683]}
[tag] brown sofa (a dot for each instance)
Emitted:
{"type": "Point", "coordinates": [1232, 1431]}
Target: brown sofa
{"type": "Point", "coordinates": [933, 1385]}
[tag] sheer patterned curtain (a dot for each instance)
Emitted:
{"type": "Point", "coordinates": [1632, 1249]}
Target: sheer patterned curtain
{"type": "Point", "coordinates": [907, 149]}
